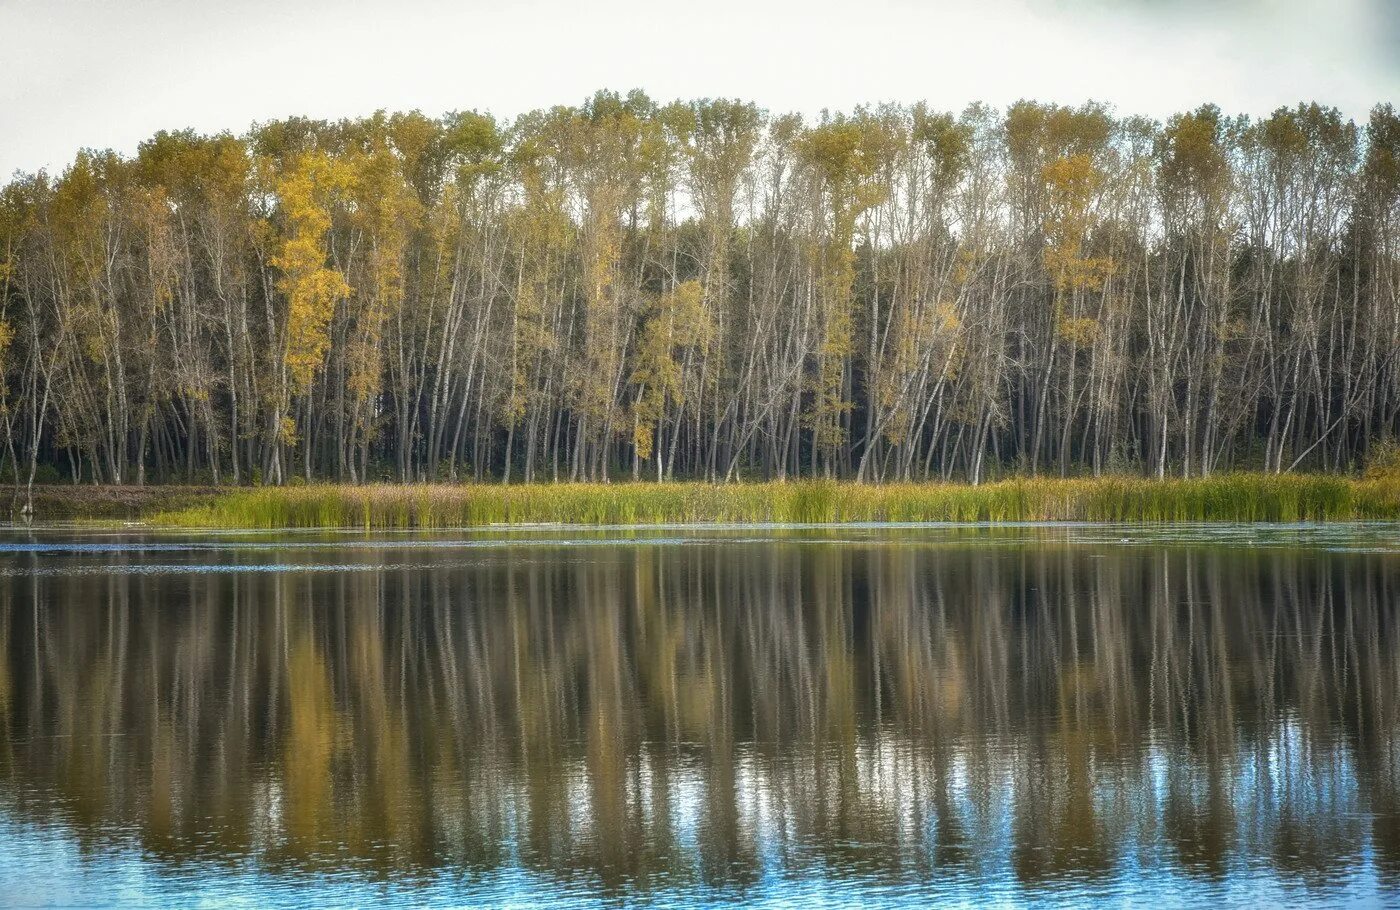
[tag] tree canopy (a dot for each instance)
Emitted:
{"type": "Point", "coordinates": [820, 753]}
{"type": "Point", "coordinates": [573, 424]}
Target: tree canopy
{"type": "Point", "coordinates": [702, 289]}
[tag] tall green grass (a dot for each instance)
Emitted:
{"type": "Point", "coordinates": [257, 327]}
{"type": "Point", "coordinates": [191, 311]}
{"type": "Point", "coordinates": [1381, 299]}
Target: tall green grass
{"type": "Point", "coordinates": [1231, 497]}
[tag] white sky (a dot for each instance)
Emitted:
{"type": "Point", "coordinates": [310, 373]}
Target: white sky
{"type": "Point", "coordinates": [109, 73]}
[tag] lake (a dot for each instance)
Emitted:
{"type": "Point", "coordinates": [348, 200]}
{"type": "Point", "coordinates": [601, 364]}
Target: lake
{"type": "Point", "coordinates": [863, 715]}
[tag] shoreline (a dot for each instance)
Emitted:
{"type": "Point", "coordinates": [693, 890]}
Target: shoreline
{"type": "Point", "coordinates": [1240, 497]}
{"type": "Point", "coordinates": [123, 502]}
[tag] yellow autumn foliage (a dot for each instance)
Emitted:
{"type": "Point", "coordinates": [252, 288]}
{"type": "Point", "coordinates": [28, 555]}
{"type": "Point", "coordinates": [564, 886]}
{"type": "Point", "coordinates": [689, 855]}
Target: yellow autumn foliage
{"type": "Point", "coordinates": [312, 289]}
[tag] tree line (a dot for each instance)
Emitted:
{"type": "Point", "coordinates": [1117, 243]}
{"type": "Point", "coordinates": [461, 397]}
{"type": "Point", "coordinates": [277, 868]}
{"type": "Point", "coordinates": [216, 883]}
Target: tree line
{"type": "Point", "coordinates": [706, 290]}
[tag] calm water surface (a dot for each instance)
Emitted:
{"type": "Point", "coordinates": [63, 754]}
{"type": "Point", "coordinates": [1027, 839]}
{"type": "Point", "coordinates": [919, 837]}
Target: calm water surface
{"type": "Point", "coordinates": [869, 716]}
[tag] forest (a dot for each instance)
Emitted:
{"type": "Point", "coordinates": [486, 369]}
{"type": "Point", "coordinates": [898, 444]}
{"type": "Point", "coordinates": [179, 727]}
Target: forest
{"type": "Point", "coordinates": [707, 290]}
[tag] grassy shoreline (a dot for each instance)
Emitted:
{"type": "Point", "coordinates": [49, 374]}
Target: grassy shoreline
{"type": "Point", "coordinates": [1229, 497]}
{"type": "Point", "coordinates": [106, 503]}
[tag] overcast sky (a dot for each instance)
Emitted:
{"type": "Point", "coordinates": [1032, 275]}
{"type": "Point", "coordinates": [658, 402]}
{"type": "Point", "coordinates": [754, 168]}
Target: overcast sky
{"type": "Point", "coordinates": [108, 73]}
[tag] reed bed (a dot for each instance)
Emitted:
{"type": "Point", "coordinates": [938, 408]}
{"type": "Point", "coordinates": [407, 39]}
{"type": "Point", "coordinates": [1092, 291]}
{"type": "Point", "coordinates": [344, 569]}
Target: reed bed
{"type": "Point", "coordinates": [1229, 497]}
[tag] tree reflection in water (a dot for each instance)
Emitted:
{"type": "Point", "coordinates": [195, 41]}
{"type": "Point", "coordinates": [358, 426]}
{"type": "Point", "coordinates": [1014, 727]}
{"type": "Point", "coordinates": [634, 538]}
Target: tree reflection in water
{"type": "Point", "coordinates": [640, 718]}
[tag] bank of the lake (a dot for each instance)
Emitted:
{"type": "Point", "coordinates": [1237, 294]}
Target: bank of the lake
{"type": "Point", "coordinates": [61, 502]}
{"type": "Point", "coordinates": [1232, 497]}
